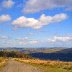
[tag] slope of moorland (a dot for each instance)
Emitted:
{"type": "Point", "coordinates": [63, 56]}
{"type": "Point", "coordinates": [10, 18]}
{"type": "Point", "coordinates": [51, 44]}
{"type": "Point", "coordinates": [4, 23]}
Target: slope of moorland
{"type": "Point", "coordinates": [62, 55]}
{"type": "Point", "coordinates": [48, 65]}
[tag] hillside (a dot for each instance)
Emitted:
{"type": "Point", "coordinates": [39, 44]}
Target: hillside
{"type": "Point", "coordinates": [62, 55]}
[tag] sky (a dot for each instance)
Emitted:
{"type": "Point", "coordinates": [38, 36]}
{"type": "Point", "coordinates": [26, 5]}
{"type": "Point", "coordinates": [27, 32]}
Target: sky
{"type": "Point", "coordinates": [35, 23]}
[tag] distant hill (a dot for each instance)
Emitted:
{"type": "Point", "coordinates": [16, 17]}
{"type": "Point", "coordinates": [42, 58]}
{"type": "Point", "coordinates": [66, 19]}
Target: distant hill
{"type": "Point", "coordinates": [68, 50]}
{"type": "Point", "coordinates": [61, 54]}
{"type": "Point", "coordinates": [33, 50]}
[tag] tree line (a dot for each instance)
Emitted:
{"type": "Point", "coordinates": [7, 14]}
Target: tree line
{"type": "Point", "coordinates": [14, 54]}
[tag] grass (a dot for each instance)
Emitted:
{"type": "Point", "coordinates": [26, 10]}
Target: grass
{"type": "Point", "coordinates": [49, 66]}
{"type": "Point", "coordinates": [3, 61]}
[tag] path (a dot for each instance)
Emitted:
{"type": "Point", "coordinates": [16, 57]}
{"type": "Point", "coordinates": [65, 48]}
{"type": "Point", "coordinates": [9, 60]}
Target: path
{"type": "Point", "coordinates": [14, 66]}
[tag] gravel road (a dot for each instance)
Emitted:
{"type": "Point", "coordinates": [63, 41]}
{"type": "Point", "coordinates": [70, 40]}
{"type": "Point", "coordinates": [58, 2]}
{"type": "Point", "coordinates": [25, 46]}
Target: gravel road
{"type": "Point", "coordinates": [14, 66]}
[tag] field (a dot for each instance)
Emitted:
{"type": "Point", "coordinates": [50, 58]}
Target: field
{"type": "Point", "coordinates": [48, 65]}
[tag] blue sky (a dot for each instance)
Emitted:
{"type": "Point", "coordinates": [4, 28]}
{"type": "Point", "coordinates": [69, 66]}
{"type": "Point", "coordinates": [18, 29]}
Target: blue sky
{"type": "Point", "coordinates": [35, 23]}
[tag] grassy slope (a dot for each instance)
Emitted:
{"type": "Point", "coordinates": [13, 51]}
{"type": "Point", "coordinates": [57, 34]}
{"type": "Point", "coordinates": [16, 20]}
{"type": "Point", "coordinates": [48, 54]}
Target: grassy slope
{"type": "Point", "coordinates": [49, 66]}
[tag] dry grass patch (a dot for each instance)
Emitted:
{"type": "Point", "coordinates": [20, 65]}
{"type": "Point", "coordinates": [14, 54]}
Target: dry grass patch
{"type": "Point", "coordinates": [48, 65]}
{"type": "Point", "coordinates": [3, 61]}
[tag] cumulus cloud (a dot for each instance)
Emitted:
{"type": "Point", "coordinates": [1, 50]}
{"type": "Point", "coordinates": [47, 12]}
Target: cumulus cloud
{"type": "Point", "coordinates": [38, 23]}
{"type": "Point", "coordinates": [8, 3]}
{"type": "Point", "coordinates": [60, 39]}
{"type": "Point", "coordinates": [4, 18]}
{"type": "Point", "coordinates": [38, 5]}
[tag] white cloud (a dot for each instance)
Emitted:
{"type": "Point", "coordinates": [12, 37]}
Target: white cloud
{"type": "Point", "coordinates": [38, 23]}
{"type": "Point", "coordinates": [23, 39]}
{"type": "Point", "coordinates": [8, 3]}
{"type": "Point", "coordinates": [60, 39]}
{"type": "Point", "coordinates": [4, 18]}
{"type": "Point", "coordinates": [26, 40]}
{"type": "Point", "coordinates": [38, 5]}
{"type": "Point", "coordinates": [8, 41]}
{"type": "Point", "coordinates": [4, 37]}
{"type": "Point", "coordinates": [33, 42]}
{"type": "Point", "coordinates": [16, 42]}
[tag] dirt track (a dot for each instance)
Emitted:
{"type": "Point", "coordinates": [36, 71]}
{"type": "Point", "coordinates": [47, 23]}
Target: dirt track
{"type": "Point", "coordinates": [14, 66]}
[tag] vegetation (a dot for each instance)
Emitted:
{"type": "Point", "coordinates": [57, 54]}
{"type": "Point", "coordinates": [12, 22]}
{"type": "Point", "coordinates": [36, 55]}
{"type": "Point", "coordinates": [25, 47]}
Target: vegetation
{"type": "Point", "coordinates": [44, 65]}
{"type": "Point", "coordinates": [48, 65]}
{"type": "Point", "coordinates": [13, 54]}
{"type": "Point", "coordinates": [3, 61]}
{"type": "Point", "coordinates": [53, 56]}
